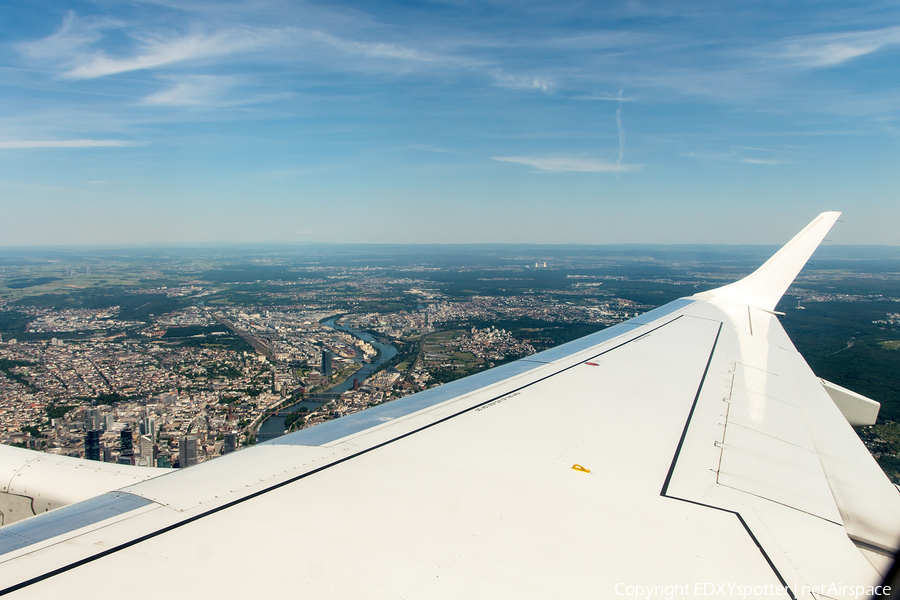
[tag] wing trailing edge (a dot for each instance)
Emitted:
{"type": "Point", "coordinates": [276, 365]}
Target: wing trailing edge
{"type": "Point", "coordinates": [765, 286]}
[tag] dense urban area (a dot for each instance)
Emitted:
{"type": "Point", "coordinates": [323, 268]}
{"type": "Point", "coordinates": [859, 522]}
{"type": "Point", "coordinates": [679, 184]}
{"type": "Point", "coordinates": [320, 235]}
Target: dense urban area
{"type": "Point", "coordinates": [170, 359]}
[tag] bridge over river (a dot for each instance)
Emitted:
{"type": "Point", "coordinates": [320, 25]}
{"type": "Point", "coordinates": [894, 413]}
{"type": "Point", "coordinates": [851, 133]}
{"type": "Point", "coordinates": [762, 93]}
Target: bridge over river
{"type": "Point", "coordinates": [273, 426]}
{"type": "Point", "coordinates": [310, 402]}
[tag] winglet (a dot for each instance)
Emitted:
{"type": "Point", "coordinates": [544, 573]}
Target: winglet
{"type": "Point", "coordinates": [765, 286]}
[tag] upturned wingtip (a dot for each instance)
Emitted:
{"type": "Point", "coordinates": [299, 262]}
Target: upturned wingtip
{"type": "Point", "coordinates": [764, 287]}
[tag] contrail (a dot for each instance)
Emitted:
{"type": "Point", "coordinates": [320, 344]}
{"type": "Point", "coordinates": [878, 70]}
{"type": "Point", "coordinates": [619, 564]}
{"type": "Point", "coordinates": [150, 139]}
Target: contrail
{"type": "Point", "coordinates": [621, 131]}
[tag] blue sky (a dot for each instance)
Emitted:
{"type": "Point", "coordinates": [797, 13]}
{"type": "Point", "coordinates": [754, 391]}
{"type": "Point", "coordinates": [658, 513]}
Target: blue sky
{"type": "Point", "coordinates": [453, 122]}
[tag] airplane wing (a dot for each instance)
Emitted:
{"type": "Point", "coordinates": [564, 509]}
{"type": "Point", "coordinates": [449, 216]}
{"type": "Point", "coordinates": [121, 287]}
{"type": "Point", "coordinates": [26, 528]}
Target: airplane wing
{"type": "Point", "coordinates": [687, 452]}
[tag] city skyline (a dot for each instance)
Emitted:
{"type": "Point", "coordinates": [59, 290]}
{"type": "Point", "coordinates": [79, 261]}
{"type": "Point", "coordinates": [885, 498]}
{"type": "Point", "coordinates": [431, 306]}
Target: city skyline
{"type": "Point", "coordinates": [446, 122]}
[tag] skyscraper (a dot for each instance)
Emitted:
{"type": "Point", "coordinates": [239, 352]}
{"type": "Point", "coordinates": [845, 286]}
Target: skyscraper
{"type": "Point", "coordinates": [126, 446]}
{"type": "Point", "coordinates": [146, 447]}
{"type": "Point", "coordinates": [230, 444]}
{"type": "Point", "coordinates": [326, 363]}
{"type": "Point", "coordinates": [148, 428]}
{"type": "Point", "coordinates": [92, 444]}
{"type": "Point", "coordinates": [187, 451]}
{"type": "Point", "coordinates": [92, 419]}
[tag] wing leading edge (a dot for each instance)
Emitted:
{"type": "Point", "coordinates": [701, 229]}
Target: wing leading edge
{"type": "Point", "coordinates": [716, 458]}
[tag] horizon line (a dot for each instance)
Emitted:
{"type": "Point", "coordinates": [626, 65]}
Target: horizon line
{"type": "Point", "coordinates": [224, 244]}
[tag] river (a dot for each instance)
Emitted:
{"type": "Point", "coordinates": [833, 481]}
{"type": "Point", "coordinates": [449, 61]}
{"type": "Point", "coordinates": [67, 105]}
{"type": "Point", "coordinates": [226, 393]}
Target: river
{"type": "Point", "coordinates": [273, 427]}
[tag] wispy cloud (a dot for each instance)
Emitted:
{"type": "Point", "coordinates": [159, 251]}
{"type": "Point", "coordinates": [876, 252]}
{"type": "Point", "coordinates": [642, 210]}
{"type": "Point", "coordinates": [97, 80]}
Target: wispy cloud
{"type": "Point", "coordinates": [757, 148]}
{"type": "Point", "coordinates": [66, 144]}
{"type": "Point", "coordinates": [74, 46]}
{"type": "Point", "coordinates": [737, 154]}
{"type": "Point", "coordinates": [601, 40]}
{"type": "Point", "coordinates": [72, 37]}
{"type": "Point", "coordinates": [708, 155]}
{"type": "Point", "coordinates": [826, 50]}
{"type": "Point", "coordinates": [617, 98]}
{"type": "Point", "coordinates": [404, 58]}
{"type": "Point", "coordinates": [374, 50]}
{"type": "Point", "coordinates": [762, 161]}
{"type": "Point", "coordinates": [562, 164]}
{"type": "Point", "coordinates": [84, 49]}
{"type": "Point", "coordinates": [194, 90]}
{"type": "Point", "coordinates": [523, 82]}
{"type": "Point", "coordinates": [159, 52]}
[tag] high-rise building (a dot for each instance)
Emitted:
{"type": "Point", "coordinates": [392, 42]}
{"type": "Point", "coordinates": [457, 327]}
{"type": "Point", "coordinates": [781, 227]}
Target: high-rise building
{"type": "Point", "coordinates": [126, 441]}
{"type": "Point", "coordinates": [163, 461]}
{"type": "Point", "coordinates": [187, 451]}
{"type": "Point", "coordinates": [92, 444]}
{"type": "Point", "coordinates": [148, 427]}
{"type": "Point", "coordinates": [126, 447]}
{"type": "Point", "coordinates": [146, 447]}
{"type": "Point", "coordinates": [92, 419]}
{"type": "Point", "coordinates": [230, 444]}
{"type": "Point", "coordinates": [326, 363]}
{"type": "Point", "coordinates": [108, 421]}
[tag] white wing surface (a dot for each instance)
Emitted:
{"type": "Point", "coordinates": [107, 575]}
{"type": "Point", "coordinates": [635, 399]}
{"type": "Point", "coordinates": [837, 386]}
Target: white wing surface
{"type": "Point", "coordinates": [717, 463]}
